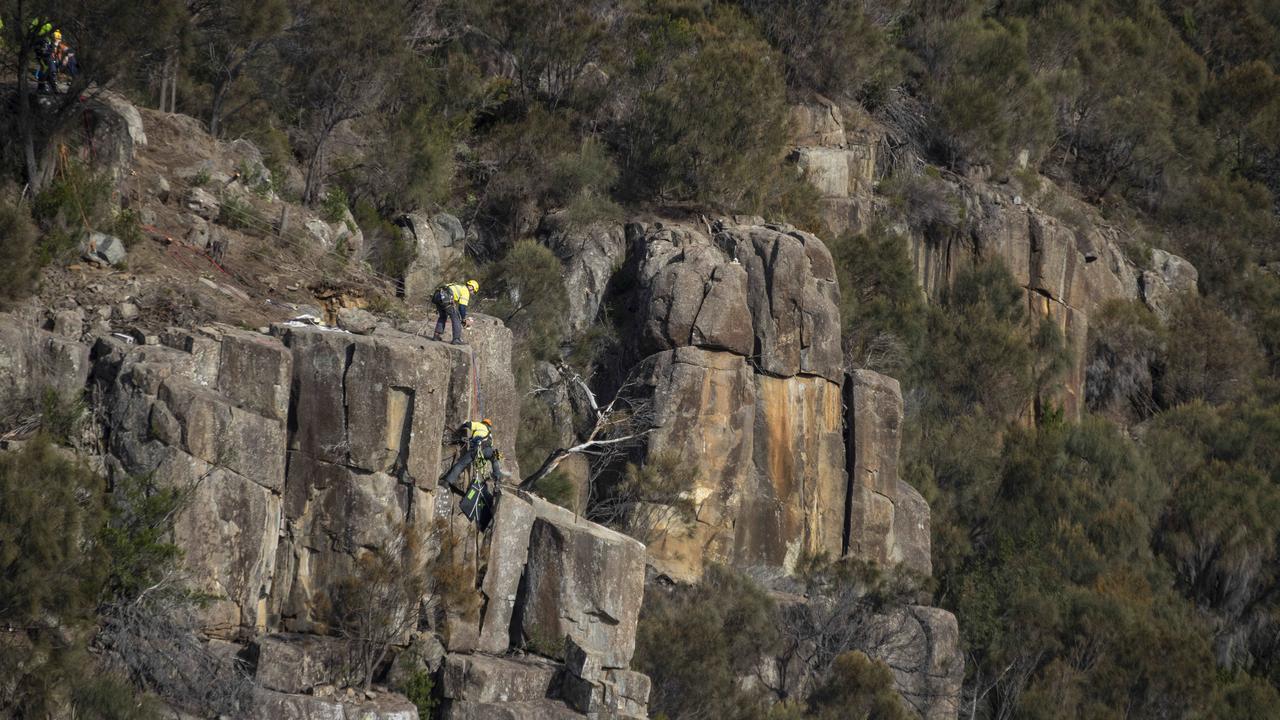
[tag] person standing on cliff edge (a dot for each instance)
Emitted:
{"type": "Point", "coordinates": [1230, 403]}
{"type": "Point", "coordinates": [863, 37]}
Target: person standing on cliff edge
{"type": "Point", "coordinates": [451, 301]}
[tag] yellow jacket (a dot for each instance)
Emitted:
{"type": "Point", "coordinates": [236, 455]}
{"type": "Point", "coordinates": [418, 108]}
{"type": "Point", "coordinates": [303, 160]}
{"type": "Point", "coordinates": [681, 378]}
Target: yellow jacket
{"type": "Point", "coordinates": [461, 294]}
{"type": "Point", "coordinates": [476, 430]}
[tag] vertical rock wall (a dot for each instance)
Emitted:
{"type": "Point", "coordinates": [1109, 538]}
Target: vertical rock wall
{"type": "Point", "coordinates": [741, 333]}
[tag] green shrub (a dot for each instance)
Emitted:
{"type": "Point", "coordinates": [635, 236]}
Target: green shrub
{"type": "Point", "coordinates": [834, 48]}
{"type": "Point", "coordinates": [390, 251]}
{"type": "Point", "coordinates": [1211, 356]}
{"type": "Point", "coordinates": [20, 260]}
{"type": "Point", "coordinates": [989, 103]}
{"type": "Point", "coordinates": [695, 642]}
{"type": "Point", "coordinates": [127, 225]}
{"type": "Point", "coordinates": [859, 686]}
{"type": "Point", "coordinates": [529, 296]}
{"type": "Point", "coordinates": [77, 200]}
{"type": "Point", "coordinates": [881, 307]}
{"type": "Point", "coordinates": [420, 689]}
{"type": "Point", "coordinates": [137, 537]}
{"type": "Point", "coordinates": [333, 207]}
{"type": "Point", "coordinates": [709, 121]}
{"type": "Point", "coordinates": [240, 214]}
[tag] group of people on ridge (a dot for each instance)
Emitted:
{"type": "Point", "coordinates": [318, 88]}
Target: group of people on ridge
{"type": "Point", "coordinates": [452, 302]}
{"type": "Point", "coordinates": [52, 54]}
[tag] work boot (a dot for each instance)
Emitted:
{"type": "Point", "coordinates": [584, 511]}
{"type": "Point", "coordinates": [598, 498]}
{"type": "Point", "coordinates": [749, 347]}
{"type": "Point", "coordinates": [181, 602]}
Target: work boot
{"type": "Point", "coordinates": [437, 337]}
{"type": "Point", "coordinates": [457, 342]}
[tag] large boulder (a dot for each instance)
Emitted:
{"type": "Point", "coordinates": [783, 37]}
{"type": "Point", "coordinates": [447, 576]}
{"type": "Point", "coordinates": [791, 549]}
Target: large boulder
{"type": "Point", "coordinates": [370, 413]}
{"type": "Point", "coordinates": [1169, 279]}
{"type": "Point", "coordinates": [488, 679]}
{"type": "Point", "coordinates": [293, 663]}
{"type": "Point", "coordinates": [116, 132]}
{"type": "Point", "coordinates": [272, 705]}
{"type": "Point", "coordinates": [704, 408]}
{"type": "Point", "coordinates": [33, 361]}
{"type": "Point", "coordinates": [164, 422]}
{"type": "Point", "coordinates": [526, 710]}
{"type": "Point", "coordinates": [590, 257]}
{"type": "Point", "coordinates": [438, 242]}
{"type": "Point", "coordinates": [921, 645]}
{"type": "Point", "coordinates": [508, 552]}
{"type": "Point", "coordinates": [817, 123]}
{"type": "Point", "coordinates": [888, 519]}
{"type": "Point", "coordinates": [770, 482]}
{"type": "Point", "coordinates": [875, 438]}
{"type": "Point", "coordinates": [763, 291]}
{"type": "Point", "coordinates": [103, 248]}
{"type": "Point", "coordinates": [583, 582]}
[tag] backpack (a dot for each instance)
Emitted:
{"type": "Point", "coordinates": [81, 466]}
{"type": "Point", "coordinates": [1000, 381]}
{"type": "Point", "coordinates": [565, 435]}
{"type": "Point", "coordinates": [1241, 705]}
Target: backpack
{"type": "Point", "coordinates": [442, 296]}
{"type": "Point", "coordinates": [477, 504]}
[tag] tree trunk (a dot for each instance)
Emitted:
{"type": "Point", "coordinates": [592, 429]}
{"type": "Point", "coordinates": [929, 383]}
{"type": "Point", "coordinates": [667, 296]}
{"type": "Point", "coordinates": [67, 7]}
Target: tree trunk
{"type": "Point", "coordinates": [173, 85]}
{"type": "Point", "coordinates": [26, 124]}
{"type": "Point", "coordinates": [552, 462]}
{"type": "Point", "coordinates": [311, 187]}
{"type": "Point", "coordinates": [215, 110]}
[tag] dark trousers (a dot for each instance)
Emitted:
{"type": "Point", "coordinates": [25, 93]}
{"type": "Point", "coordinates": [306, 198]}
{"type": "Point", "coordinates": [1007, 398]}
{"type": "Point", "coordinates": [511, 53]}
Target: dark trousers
{"type": "Point", "coordinates": [454, 317]}
{"type": "Point", "coordinates": [453, 477]}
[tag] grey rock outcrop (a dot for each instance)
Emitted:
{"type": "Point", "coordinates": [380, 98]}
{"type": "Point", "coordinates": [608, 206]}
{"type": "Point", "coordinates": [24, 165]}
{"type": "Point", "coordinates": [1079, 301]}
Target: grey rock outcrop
{"type": "Point", "coordinates": [34, 360]}
{"type": "Point", "coordinates": [526, 710]}
{"type": "Point", "coordinates": [355, 320]}
{"type": "Point", "coordinates": [1169, 279]}
{"type": "Point", "coordinates": [370, 413]}
{"type": "Point", "coordinates": [921, 645]}
{"type": "Point", "coordinates": [438, 242]}
{"type": "Point", "coordinates": [583, 582]}
{"type": "Point", "coordinates": [590, 256]}
{"type": "Point", "coordinates": [271, 705]}
{"type": "Point", "coordinates": [764, 291]}
{"type": "Point", "coordinates": [117, 132]}
{"type": "Point", "coordinates": [103, 248]}
{"type": "Point", "coordinates": [889, 520]}
{"type": "Point", "coordinates": [508, 553]}
{"type": "Point", "coordinates": [168, 420]}
{"type": "Point", "coordinates": [295, 663]}
{"type": "Point", "coordinates": [202, 203]}
{"type": "Point", "coordinates": [488, 679]}
{"type": "Point", "coordinates": [746, 378]}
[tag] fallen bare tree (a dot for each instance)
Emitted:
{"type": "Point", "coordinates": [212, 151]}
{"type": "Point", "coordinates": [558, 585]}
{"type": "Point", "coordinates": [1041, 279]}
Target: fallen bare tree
{"type": "Point", "coordinates": [616, 428]}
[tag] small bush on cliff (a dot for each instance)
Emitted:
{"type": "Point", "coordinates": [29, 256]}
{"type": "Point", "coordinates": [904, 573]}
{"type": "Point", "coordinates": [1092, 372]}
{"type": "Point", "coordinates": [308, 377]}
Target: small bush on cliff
{"type": "Point", "coordinates": [19, 261]}
{"type": "Point", "coordinates": [881, 307]}
{"type": "Point", "coordinates": [530, 298]}
{"type": "Point", "coordinates": [377, 604]}
{"type": "Point", "coordinates": [708, 120]}
{"type": "Point", "coordinates": [55, 571]}
{"type": "Point", "coordinates": [857, 686]}
{"type": "Point", "coordinates": [76, 201]}
{"type": "Point", "coordinates": [980, 355]}
{"type": "Point", "coordinates": [695, 642]}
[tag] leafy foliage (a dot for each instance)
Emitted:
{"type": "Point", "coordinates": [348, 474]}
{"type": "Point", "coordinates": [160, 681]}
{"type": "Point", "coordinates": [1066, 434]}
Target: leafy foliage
{"type": "Point", "coordinates": [66, 549]}
{"type": "Point", "coordinates": [19, 267]}
{"type": "Point", "coordinates": [725, 623]}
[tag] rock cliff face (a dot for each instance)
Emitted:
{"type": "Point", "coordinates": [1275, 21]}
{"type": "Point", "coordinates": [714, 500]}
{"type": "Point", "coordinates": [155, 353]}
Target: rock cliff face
{"type": "Point", "coordinates": [741, 336]}
{"type": "Point", "coordinates": [1069, 260]}
{"type": "Point", "coordinates": [303, 449]}
{"type": "Point", "coordinates": [737, 323]}
{"type": "Point", "coordinates": [741, 333]}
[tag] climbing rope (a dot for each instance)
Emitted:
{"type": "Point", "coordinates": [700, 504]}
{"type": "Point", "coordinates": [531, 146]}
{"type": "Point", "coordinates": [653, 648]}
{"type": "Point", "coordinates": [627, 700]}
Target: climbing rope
{"type": "Point", "coordinates": [477, 400]}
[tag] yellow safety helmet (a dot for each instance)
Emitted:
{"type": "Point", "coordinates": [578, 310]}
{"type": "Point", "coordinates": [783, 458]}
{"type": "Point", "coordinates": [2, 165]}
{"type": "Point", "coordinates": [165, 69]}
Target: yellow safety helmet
{"type": "Point", "coordinates": [57, 34]}
{"type": "Point", "coordinates": [473, 286]}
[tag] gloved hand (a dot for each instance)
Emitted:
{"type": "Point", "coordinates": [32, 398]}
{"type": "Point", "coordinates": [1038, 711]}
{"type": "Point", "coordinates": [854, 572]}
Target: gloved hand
{"type": "Point", "coordinates": [468, 322]}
